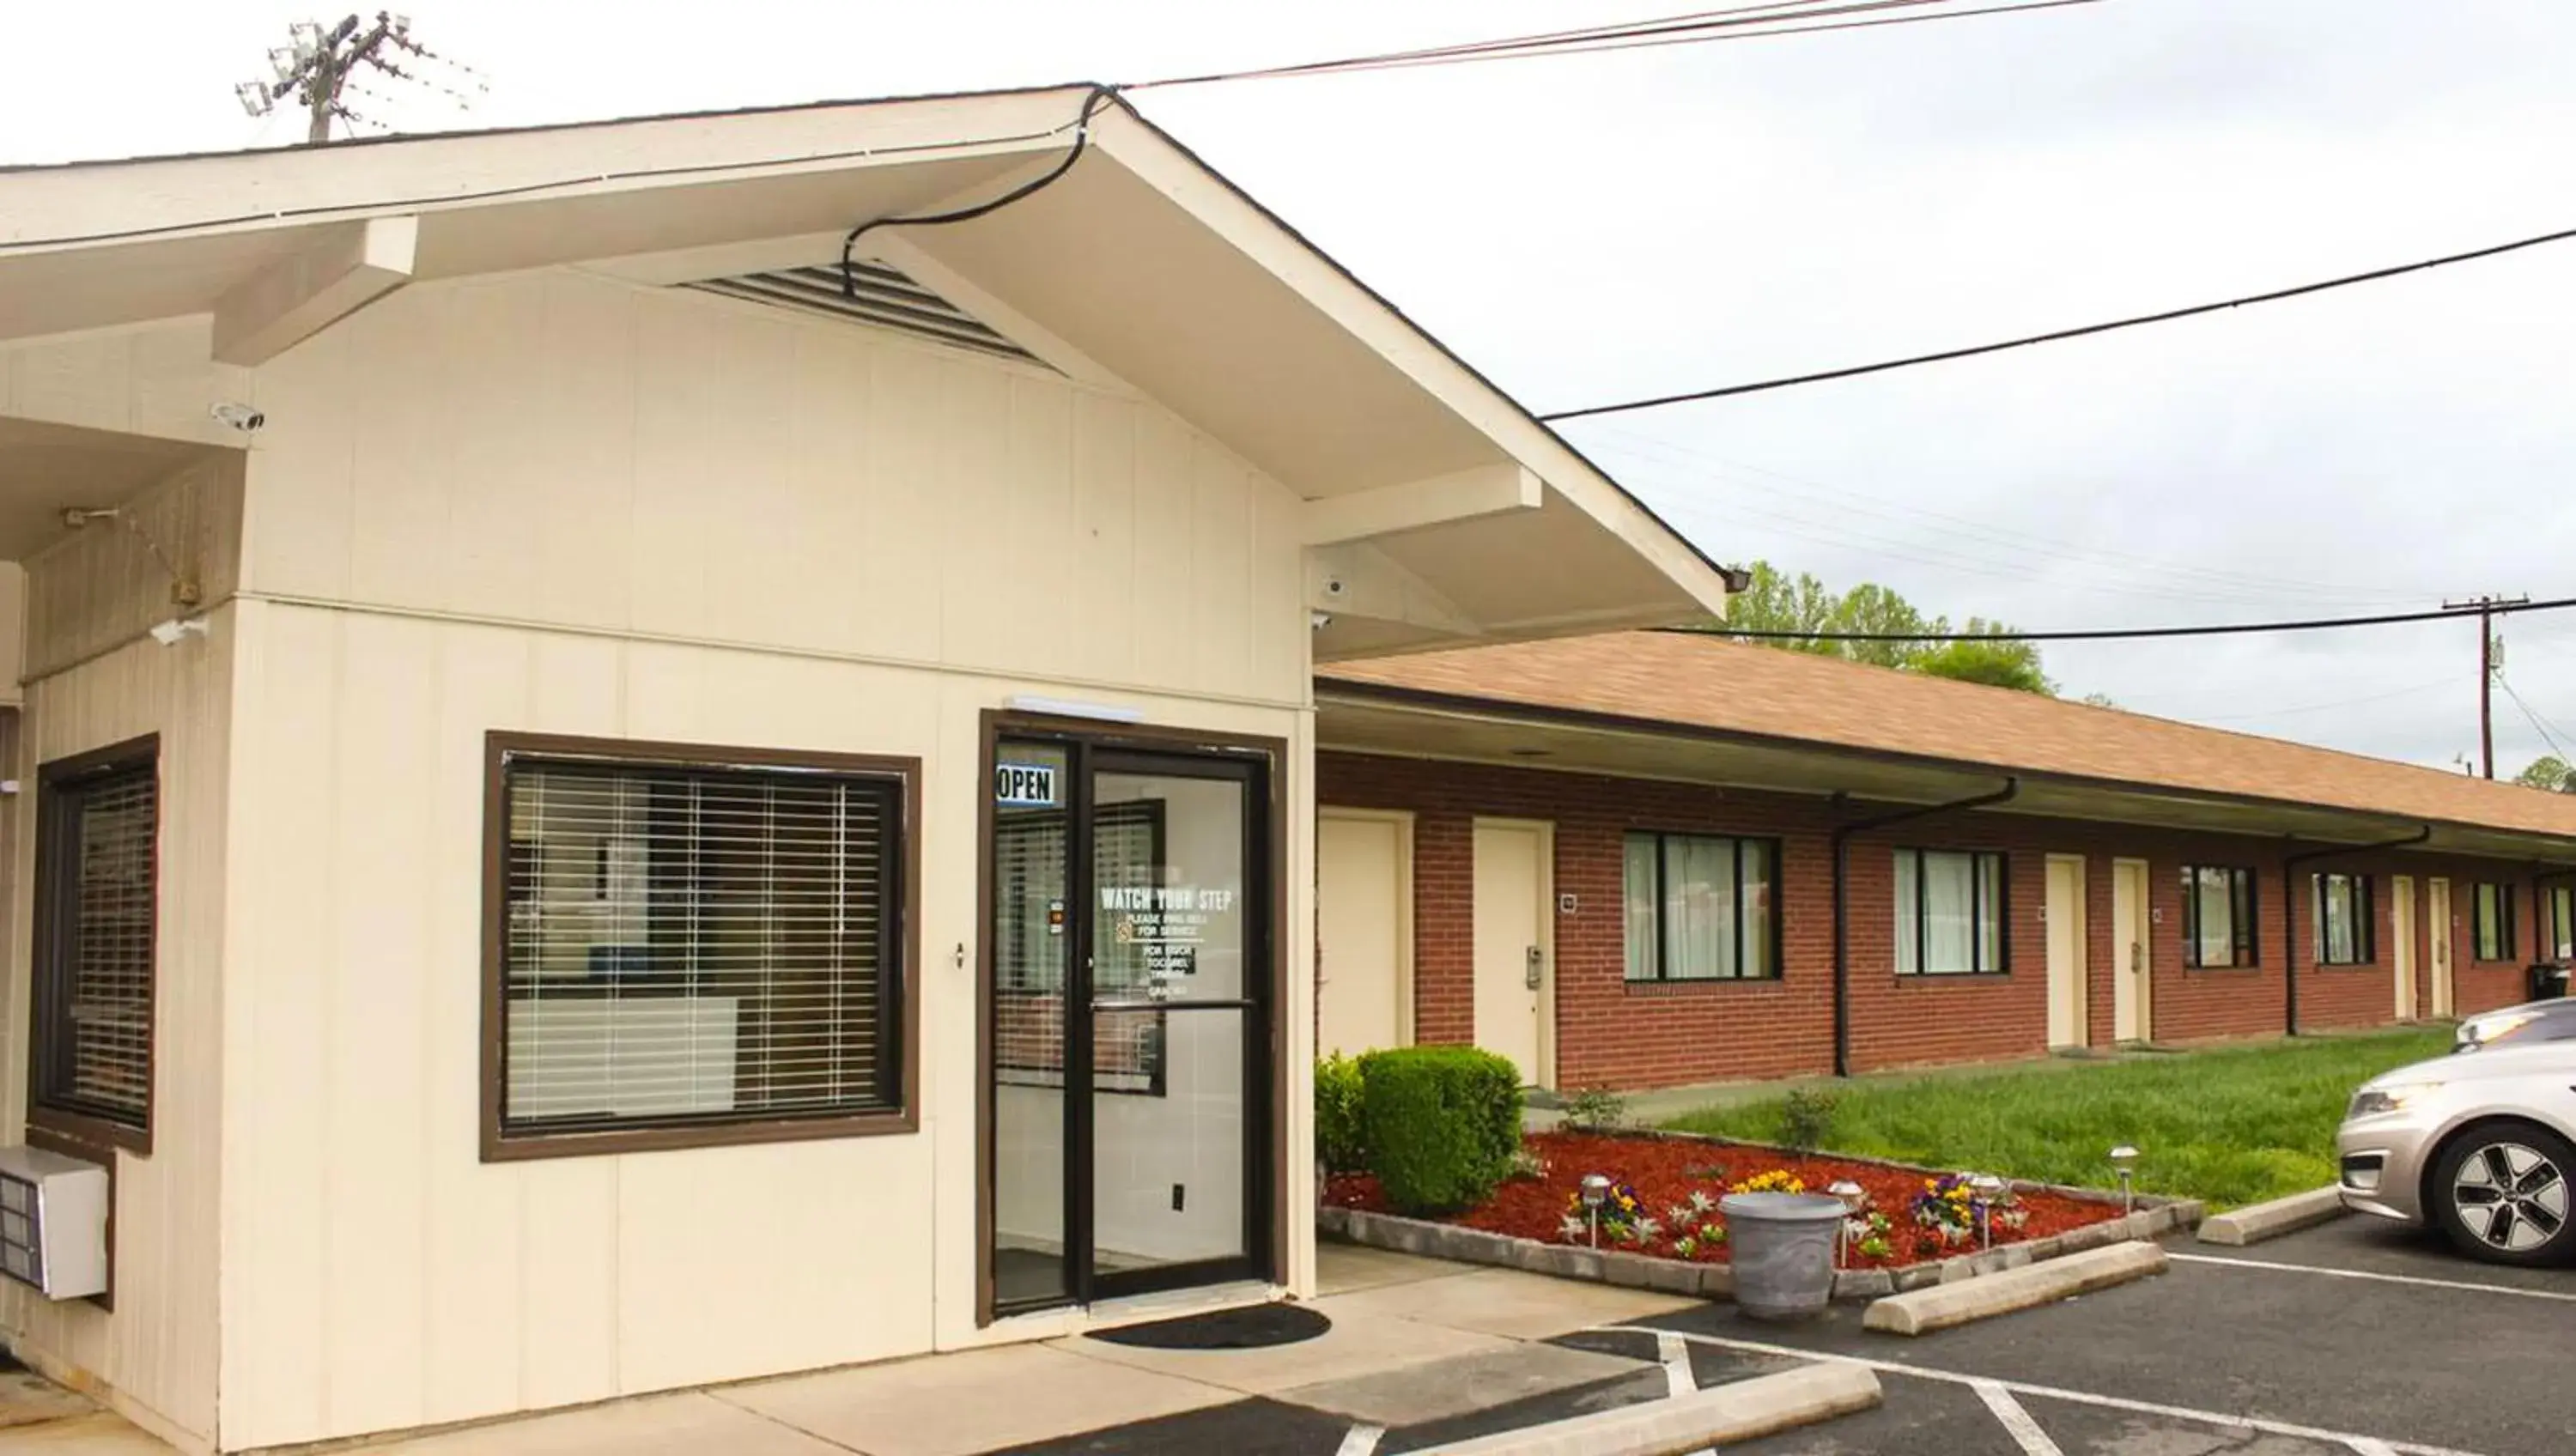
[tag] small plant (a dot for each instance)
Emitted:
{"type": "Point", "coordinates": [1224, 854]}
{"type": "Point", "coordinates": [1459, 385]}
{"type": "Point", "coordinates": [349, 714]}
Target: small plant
{"type": "Point", "coordinates": [1574, 1229]}
{"type": "Point", "coordinates": [1707, 1173]}
{"type": "Point", "coordinates": [1807, 1118]}
{"type": "Point", "coordinates": [1527, 1166]}
{"type": "Point", "coordinates": [1946, 1209]}
{"type": "Point", "coordinates": [1595, 1109]}
{"type": "Point", "coordinates": [1776, 1180]}
{"type": "Point", "coordinates": [1620, 1213]}
{"type": "Point", "coordinates": [1337, 1115]}
{"type": "Point", "coordinates": [1687, 1246]}
{"type": "Point", "coordinates": [1875, 1247]}
{"type": "Point", "coordinates": [1440, 1125]}
{"type": "Point", "coordinates": [1701, 1203]}
{"type": "Point", "coordinates": [1712, 1234]}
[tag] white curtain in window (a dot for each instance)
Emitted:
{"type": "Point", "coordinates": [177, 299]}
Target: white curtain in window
{"type": "Point", "coordinates": [1949, 912]}
{"type": "Point", "coordinates": [1909, 864]}
{"type": "Point", "coordinates": [1699, 909]}
{"type": "Point", "coordinates": [1756, 896]}
{"type": "Point", "coordinates": [2337, 903]}
{"type": "Point", "coordinates": [2217, 920]}
{"type": "Point", "coordinates": [1640, 875]}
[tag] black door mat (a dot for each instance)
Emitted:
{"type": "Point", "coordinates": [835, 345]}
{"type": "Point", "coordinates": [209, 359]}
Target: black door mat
{"type": "Point", "coordinates": [1225, 1329]}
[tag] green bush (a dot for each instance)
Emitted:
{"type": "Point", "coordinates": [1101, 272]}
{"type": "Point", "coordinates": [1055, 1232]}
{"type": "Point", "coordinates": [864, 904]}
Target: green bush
{"type": "Point", "coordinates": [1441, 1125]}
{"type": "Point", "coordinates": [1337, 1115]}
{"type": "Point", "coordinates": [1807, 1118]}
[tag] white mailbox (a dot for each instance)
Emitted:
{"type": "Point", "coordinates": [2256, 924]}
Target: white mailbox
{"type": "Point", "coordinates": [53, 1222]}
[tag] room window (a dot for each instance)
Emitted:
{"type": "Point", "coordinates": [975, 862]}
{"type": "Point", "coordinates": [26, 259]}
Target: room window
{"type": "Point", "coordinates": [2492, 935]}
{"type": "Point", "coordinates": [2559, 909]}
{"type": "Point", "coordinates": [2217, 916]}
{"type": "Point", "coordinates": [1702, 908]}
{"type": "Point", "coordinates": [97, 886]}
{"type": "Point", "coordinates": [2343, 919]}
{"type": "Point", "coordinates": [694, 946]}
{"type": "Point", "coordinates": [1949, 912]}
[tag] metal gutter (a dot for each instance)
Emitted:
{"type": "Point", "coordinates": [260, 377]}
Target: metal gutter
{"type": "Point", "coordinates": [2290, 918]}
{"type": "Point", "coordinates": [1841, 840]}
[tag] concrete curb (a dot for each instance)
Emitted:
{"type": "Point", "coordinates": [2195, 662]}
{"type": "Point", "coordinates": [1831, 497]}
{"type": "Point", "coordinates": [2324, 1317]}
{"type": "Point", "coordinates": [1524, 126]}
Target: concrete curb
{"type": "Point", "coordinates": [1944, 1305]}
{"type": "Point", "coordinates": [2256, 1222]}
{"type": "Point", "coordinates": [1719, 1416]}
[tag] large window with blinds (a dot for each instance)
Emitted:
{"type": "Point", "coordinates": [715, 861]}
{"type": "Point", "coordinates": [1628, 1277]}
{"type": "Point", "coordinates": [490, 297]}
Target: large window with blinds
{"type": "Point", "coordinates": [97, 888]}
{"type": "Point", "coordinates": [694, 945]}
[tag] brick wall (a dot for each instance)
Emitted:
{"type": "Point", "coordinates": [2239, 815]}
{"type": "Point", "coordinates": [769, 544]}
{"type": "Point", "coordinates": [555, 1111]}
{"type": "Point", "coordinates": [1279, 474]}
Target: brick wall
{"type": "Point", "coordinates": [1619, 1033]}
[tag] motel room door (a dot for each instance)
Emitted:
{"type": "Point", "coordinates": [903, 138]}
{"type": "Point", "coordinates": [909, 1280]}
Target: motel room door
{"type": "Point", "coordinates": [2066, 969]}
{"type": "Point", "coordinates": [1363, 930]}
{"type": "Point", "coordinates": [2132, 981]}
{"type": "Point", "coordinates": [2401, 898]}
{"type": "Point", "coordinates": [1130, 958]}
{"type": "Point", "coordinates": [1515, 995]}
{"type": "Point", "coordinates": [2445, 938]}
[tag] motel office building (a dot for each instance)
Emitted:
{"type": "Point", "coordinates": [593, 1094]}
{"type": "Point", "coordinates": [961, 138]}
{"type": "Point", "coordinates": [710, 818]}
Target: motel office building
{"type": "Point", "coordinates": [590, 775]}
{"type": "Point", "coordinates": [1655, 859]}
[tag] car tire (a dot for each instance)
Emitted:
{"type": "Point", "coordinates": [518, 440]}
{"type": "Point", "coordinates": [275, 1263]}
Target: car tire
{"type": "Point", "coordinates": [2505, 1192]}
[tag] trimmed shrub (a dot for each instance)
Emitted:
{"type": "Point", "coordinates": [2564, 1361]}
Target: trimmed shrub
{"type": "Point", "coordinates": [1337, 1115]}
{"type": "Point", "coordinates": [1441, 1125]}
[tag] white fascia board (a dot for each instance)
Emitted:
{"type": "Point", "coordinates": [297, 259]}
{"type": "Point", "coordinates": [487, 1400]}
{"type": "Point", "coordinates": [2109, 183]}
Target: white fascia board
{"type": "Point", "coordinates": [1191, 185]}
{"type": "Point", "coordinates": [1464, 495]}
{"type": "Point", "coordinates": [1356, 580]}
{"type": "Point", "coordinates": [290, 301]}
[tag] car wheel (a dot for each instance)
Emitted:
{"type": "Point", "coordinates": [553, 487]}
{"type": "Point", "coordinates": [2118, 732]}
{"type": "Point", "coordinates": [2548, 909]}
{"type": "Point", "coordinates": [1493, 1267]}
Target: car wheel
{"type": "Point", "coordinates": [2505, 1193]}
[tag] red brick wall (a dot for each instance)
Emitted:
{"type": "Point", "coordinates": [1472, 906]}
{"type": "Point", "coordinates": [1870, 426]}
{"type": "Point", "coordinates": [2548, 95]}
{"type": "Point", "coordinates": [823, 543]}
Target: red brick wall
{"type": "Point", "coordinates": [1613, 1032]}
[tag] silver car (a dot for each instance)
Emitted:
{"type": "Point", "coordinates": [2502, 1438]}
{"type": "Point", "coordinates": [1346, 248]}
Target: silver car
{"type": "Point", "coordinates": [2481, 1146]}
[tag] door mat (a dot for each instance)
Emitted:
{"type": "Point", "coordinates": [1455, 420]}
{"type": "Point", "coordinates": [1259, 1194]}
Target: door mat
{"type": "Point", "coordinates": [1225, 1329]}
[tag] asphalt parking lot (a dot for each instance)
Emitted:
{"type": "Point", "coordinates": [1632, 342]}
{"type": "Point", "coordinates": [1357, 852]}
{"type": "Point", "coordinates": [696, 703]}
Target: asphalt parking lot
{"type": "Point", "coordinates": [2353, 1337]}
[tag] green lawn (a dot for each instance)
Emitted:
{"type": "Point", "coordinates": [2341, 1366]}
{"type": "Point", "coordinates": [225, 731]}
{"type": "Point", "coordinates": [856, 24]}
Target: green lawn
{"type": "Point", "coordinates": [2231, 1126]}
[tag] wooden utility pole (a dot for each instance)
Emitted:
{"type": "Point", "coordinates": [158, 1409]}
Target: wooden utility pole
{"type": "Point", "coordinates": [316, 66]}
{"type": "Point", "coordinates": [2486, 607]}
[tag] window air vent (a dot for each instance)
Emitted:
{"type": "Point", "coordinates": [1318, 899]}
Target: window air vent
{"type": "Point", "coordinates": [886, 298]}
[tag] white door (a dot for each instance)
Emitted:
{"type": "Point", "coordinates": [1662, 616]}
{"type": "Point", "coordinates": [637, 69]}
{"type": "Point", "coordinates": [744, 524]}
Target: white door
{"type": "Point", "coordinates": [1512, 942]}
{"type": "Point", "coordinates": [2065, 950]}
{"type": "Point", "coordinates": [2445, 935]}
{"type": "Point", "coordinates": [1364, 930]}
{"type": "Point", "coordinates": [2401, 890]}
{"type": "Point", "coordinates": [2132, 993]}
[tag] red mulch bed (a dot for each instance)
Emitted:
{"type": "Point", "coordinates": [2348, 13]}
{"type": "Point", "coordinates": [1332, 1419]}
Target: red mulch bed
{"type": "Point", "coordinates": [1665, 1173]}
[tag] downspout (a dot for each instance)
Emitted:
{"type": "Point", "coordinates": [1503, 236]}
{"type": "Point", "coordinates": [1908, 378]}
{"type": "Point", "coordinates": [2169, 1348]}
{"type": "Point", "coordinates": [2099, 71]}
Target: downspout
{"type": "Point", "coordinates": [2290, 916]}
{"type": "Point", "coordinates": [1841, 840]}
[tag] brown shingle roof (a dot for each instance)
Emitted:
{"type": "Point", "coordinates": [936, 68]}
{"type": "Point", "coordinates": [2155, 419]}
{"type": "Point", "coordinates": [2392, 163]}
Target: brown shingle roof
{"type": "Point", "coordinates": [1705, 682]}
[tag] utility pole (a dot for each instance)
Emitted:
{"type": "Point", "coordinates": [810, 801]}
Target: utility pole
{"type": "Point", "coordinates": [2486, 607]}
{"type": "Point", "coordinates": [316, 66]}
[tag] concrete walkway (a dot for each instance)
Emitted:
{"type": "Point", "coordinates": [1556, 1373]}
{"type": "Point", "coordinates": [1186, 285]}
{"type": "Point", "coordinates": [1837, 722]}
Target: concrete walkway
{"type": "Point", "coordinates": [1413, 1340]}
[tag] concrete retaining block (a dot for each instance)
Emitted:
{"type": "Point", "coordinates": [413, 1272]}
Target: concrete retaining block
{"type": "Point", "coordinates": [1742, 1410]}
{"type": "Point", "coordinates": [1947, 1304]}
{"type": "Point", "coordinates": [2256, 1222]}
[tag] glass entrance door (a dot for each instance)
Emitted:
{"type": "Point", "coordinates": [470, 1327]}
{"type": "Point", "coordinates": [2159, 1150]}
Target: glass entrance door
{"type": "Point", "coordinates": [1129, 1020]}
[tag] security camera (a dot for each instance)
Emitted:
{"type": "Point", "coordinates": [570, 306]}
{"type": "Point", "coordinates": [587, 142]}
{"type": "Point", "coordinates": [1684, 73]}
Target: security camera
{"type": "Point", "coordinates": [240, 416]}
{"type": "Point", "coordinates": [178, 629]}
{"type": "Point", "coordinates": [1319, 620]}
{"type": "Point", "coordinates": [1738, 579]}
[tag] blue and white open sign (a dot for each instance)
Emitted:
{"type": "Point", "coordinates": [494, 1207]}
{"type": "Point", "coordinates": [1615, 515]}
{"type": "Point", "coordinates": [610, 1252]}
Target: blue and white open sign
{"type": "Point", "coordinates": [1024, 785]}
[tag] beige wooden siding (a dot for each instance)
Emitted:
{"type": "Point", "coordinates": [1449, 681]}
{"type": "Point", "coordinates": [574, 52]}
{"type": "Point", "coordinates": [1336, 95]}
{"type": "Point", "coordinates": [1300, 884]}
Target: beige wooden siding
{"type": "Point", "coordinates": [561, 449]}
{"type": "Point", "coordinates": [156, 381]}
{"type": "Point", "coordinates": [558, 504]}
{"type": "Point", "coordinates": [97, 681]}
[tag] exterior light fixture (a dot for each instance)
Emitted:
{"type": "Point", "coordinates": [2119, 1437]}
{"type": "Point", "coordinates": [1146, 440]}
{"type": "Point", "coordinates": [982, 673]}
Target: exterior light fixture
{"type": "Point", "coordinates": [1596, 1192]}
{"type": "Point", "coordinates": [1986, 1190]}
{"type": "Point", "coordinates": [1852, 1197]}
{"type": "Point", "coordinates": [2124, 1161]}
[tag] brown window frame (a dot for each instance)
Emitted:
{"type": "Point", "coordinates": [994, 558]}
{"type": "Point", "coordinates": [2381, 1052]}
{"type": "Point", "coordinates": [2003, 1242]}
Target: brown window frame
{"type": "Point", "coordinates": [1990, 867]}
{"type": "Point", "coordinates": [61, 788]}
{"type": "Point", "coordinates": [2363, 897]}
{"type": "Point", "coordinates": [2244, 913]}
{"type": "Point", "coordinates": [2507, 941]}
{"type": "Point", "coordinates": [502, 1144]}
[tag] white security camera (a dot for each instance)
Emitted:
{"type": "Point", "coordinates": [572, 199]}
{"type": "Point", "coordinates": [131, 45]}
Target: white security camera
{"type": "Point", "coordinates": [240, 416]}
{"type": "Point", "coordinates": [178, 629]}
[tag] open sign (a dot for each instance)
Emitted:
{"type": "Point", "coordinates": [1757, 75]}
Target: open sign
{"type": "Point", "coordinates": [1024, 785]}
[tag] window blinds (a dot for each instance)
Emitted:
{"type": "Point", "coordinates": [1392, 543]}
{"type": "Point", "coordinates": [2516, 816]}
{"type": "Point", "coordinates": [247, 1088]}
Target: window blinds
{"type": "Point", "coordinates": [690, 943]}
{"type": "Point", "coordinates": [98, 1001]}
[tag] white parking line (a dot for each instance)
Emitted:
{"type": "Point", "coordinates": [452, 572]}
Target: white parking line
{"type": "Point", "coordinates": [1678, 1380]}
{"type": "Point", "coordinates": [2025, 1431]}
{"type": "Point", "coordinates": [1360, 1440]}
{"type": "Point", "coordinates": [2082, 1397]}
{"type": "Point", "coordinates": [2377, 1278]}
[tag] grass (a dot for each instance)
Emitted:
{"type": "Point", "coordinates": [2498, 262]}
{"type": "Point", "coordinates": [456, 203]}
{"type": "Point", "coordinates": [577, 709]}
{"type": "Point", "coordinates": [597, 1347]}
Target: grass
{"type": "Point", "coordinates": [2231, 1126]}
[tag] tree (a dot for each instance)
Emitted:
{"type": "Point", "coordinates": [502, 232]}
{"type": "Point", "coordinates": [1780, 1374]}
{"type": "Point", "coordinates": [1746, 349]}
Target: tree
{"type": "Point", "coordinates": [1776, 602]}
{"type": "Point", "coordinates": [2548, 771]}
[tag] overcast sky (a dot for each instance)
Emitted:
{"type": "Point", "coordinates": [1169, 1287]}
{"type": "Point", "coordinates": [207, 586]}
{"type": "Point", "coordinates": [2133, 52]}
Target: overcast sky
{"type": "Point", "coordinates": [1604, 227]}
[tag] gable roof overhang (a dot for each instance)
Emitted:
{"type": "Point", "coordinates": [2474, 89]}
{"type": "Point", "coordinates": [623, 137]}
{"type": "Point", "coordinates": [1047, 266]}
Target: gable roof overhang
{"type": "Point", "coordinates": [1411, 722]}
{"type": "Point", "coordinates": [1437, 511]}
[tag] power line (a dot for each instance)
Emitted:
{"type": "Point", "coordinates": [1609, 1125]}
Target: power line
{"type": "Point", "coordinates": [1742, 22]}
{"type": "Point", "coordinates": [2058, 335]}
{"type": "Point", "coordinates": [2539, 724]}
{"type": "Point", "coordinates": [2118, 634]}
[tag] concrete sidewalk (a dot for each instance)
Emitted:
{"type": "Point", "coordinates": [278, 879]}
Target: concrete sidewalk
{"type": "Point", "coordinates": [1413, 1340]}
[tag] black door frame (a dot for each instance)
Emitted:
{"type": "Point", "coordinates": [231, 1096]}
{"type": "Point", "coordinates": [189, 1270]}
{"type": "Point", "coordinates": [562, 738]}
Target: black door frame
{"type": "Point", "coordinates": [1091, 747]}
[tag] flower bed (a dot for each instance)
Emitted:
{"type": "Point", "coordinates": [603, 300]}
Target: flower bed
{"type": "Point", "coordinates": [1663, 1211]}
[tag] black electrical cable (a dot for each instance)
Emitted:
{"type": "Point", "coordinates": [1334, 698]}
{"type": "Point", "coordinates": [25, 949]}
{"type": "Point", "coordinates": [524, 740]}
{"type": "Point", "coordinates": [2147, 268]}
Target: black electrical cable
{"type": "Point", "coordinates": [2168, 315]}
{"type": "Point", "coordinates": [2117, 634]}
{"type": "Point", "coordinates": [1091, 105]}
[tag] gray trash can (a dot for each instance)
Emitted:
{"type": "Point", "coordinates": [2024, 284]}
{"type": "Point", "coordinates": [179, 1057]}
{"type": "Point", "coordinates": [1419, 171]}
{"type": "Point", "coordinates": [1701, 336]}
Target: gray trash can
{"type": "Point", "coordinates": [1783, 1251]}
